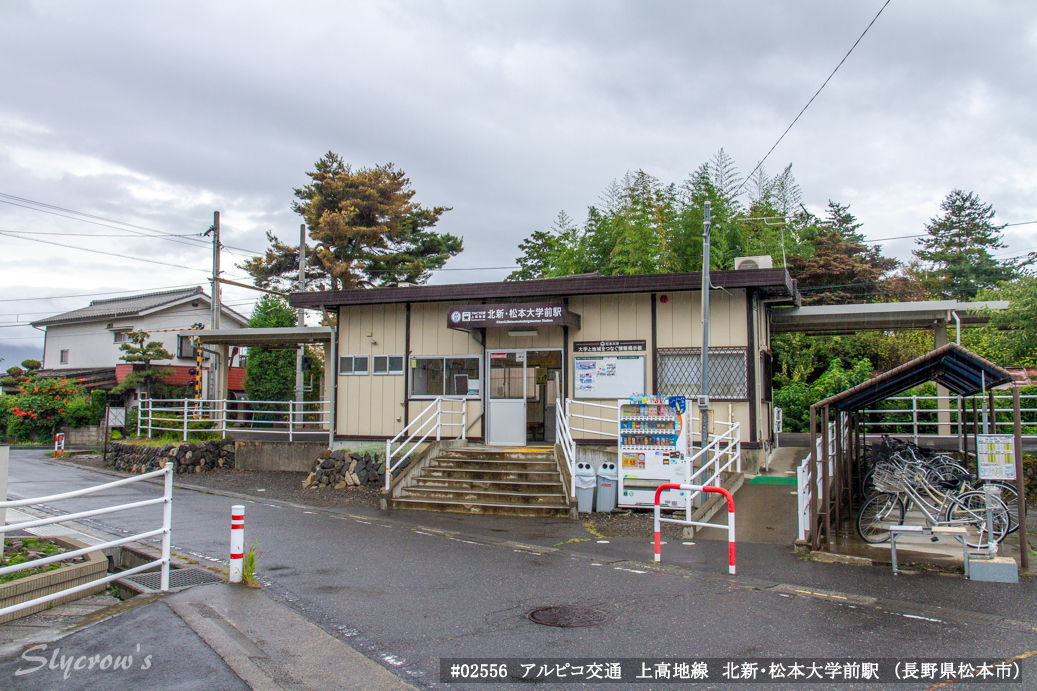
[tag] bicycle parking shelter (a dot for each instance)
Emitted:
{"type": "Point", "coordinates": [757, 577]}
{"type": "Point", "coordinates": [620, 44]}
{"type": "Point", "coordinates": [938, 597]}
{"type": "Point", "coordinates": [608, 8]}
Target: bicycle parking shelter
{"type": "Point", "coordinates": [837, 439]}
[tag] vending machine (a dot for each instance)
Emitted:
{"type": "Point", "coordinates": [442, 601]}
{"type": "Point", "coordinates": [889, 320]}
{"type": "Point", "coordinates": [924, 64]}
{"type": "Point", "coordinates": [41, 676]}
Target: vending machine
{"type": "Point", "coordinates": [654, 447]}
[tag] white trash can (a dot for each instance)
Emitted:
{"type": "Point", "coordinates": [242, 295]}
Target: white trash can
{"type": "Point", "coordinates": [584, 487]}
{"type": "Point", "coordinates": [608, 487]}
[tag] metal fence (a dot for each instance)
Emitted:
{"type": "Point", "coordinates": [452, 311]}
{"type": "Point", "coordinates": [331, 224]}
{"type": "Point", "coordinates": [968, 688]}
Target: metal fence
{"type": "Point", "coordinates": [916, 416]}
{"type": "Point", "coordinates": [428, 423]}
{"type": "Point", "coordinates": [165, 531]}
{"type": "Point", "coordinates": [182, 416]}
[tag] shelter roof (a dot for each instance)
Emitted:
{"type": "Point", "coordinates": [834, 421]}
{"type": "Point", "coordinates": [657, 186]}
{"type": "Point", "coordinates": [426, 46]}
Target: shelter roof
{"type": "Point", "coordinates": [774, 283]}
{"type": "Point", "coordinates": [958, 369]}
{"type": "Point", "coordinates": [834, 320]}
{"type": "Point", "coordinates": [283, 336]}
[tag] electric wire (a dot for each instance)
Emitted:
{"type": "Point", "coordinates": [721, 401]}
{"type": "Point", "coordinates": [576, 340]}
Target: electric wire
{"type": "Point", "coordinates": [796, 119]}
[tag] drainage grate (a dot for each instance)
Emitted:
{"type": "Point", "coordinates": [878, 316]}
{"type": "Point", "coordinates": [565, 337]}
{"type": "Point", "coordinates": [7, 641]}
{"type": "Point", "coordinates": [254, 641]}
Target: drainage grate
{"type": "Point", "coordinates": [568, 617]}
{"type": "Point", "coordinates": [178, 578]}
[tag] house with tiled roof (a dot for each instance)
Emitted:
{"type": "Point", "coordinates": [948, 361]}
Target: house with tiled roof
{"type": "Point", "coordinates": [84, 344]}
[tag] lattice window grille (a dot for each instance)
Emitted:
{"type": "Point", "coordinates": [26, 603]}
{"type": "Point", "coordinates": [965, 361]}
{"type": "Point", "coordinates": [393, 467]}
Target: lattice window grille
{"type": "Point", "coordinates": [680, 369]}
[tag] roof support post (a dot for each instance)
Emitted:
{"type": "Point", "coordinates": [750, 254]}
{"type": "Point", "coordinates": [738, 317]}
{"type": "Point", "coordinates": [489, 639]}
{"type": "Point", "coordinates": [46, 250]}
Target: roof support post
{"type": "Point", "coordinates": [1020, 479]}
{"type": "Point", "coordinates": [839, 474]}
{"type": "Point", "coordinates": [826, 493]}
{"type": "Point", "coordinates": [813, 536]}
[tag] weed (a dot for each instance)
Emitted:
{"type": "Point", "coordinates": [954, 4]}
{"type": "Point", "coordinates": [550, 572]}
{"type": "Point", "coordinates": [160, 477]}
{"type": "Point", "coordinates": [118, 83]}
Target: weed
{"type": "Point", "coordinates": [575, 539]}
{"type": "Point", "coordinates": [590, 529]}
{"type": "Point", "coordinates": [248, 567]}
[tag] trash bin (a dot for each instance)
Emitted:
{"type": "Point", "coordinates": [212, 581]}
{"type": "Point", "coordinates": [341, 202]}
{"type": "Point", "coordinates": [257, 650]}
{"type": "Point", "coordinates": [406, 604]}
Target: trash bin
{"type": "Point", "coordinates": [608, 486]}
{"type": "Point", "coordinates": [584, 487]}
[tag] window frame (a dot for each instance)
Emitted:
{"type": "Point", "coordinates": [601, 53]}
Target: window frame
{"type": "Point", "coordinates": [121, 331]}
{"type": "Point", "coordinates": [180, 350]}
{"type": "Point", "coordinates": [388, 372]}
{"type": "Point", "coordinates": [411, 396]}
{"type": "Point", "coordinates": [352, 365]}
{"type": "Point", "coordinates": [63, 356]}
{"type": "Point", "coordinates": [713, 350]}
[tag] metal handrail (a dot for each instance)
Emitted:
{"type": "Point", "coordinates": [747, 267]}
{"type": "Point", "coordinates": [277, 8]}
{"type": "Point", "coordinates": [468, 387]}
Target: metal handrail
{"type": "Point", "coordinates": [289, 416]}
{"type": "Point", "coordinates": [437, 425]}
{"type": "Point", "coordinates": [165, 531]}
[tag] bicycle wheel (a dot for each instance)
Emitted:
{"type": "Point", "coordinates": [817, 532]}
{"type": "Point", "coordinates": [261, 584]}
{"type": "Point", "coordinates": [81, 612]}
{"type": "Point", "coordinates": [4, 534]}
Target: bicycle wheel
{"type": "Point", "coordinates": [1010, 497]}
{"type": "Point", "coordinates": [969, 510]}
{"type": "Point", "coordinates": [879, 512]}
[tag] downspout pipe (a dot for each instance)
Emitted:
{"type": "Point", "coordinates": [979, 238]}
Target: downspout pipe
{"type": "Point", "coordinates": [333, 389]}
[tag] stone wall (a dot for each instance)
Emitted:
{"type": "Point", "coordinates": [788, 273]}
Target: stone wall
{"type": "Point", "coordinates": [341, 469]}
{"type": "Point", "coordinates": [187, 458]}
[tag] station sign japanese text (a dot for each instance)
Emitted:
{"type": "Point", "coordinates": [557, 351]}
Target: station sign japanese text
{"type": "Point", "coordinates": [511, 314]}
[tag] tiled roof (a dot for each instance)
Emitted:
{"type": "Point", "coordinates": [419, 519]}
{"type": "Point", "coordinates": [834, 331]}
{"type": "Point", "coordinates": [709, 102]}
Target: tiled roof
{"type": "Point", "coordinates": [128, 306]}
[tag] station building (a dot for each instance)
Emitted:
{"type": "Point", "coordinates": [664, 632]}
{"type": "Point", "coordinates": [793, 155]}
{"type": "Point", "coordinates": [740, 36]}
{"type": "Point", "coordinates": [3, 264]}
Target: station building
{"type": "Point", "coordinates": [508, 349]}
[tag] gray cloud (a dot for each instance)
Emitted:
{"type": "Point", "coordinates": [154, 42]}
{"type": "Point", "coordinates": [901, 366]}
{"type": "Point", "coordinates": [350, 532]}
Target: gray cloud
{"type": "Point", "coordinates": [508, 112]}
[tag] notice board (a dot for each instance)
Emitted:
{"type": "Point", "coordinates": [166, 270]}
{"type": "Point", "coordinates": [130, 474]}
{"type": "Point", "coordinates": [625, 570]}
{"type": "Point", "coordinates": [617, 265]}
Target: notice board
{"type": "Point", "coordinates": [609, 376]}
{"type": "Point", "coordinates": [996, 456]}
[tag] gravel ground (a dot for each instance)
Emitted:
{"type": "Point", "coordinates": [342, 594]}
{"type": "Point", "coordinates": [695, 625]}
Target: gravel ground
{"type": "Point", "coordinates": [261, 484]}
{"type": "Point", "coordinates": [628, 524]}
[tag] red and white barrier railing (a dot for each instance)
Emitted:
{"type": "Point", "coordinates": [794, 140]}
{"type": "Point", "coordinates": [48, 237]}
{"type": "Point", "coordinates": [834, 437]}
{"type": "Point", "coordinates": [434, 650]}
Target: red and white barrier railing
{"type": "Point", "coordinates": [698, 488]}
{"type": "Point", "coordinates": [237, 541]}
{"type": "Point", "coordinates": [59, 442]}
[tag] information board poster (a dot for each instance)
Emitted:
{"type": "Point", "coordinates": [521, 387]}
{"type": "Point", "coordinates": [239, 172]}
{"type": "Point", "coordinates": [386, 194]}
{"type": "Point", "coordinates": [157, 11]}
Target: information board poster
{"type": "Point", "coordinates": [996, 454]}
{"type": "Point", "coordinates": [609, 376]}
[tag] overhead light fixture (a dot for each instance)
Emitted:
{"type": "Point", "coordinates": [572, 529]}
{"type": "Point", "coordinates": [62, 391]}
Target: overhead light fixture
{"type": "Point", "coordinates": [531, 332]}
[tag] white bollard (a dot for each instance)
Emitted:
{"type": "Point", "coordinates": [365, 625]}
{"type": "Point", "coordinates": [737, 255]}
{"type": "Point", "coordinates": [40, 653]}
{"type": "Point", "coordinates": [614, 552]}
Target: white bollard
{"type": "Point", "coordinates": [237, 541]}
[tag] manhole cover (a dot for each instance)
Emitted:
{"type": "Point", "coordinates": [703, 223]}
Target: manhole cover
{"type": "Point", "coordinates": [569, 617]}
{"type": "Point", "coordinates": [178, 578]}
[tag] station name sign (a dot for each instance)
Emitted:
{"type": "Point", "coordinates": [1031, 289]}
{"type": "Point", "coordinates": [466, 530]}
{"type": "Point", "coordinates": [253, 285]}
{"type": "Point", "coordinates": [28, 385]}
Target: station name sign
{"type": "Point", "coordinates": [608, 346]}
{"type": "Point", "coordinates": [510, 314]}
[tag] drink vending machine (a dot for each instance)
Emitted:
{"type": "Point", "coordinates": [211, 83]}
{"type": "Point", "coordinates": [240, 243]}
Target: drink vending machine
{"type": "Point", "coordinates": [654, 447]}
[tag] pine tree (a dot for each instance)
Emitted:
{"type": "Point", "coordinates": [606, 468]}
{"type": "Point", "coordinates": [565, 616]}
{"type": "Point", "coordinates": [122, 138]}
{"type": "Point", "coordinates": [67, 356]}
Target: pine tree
{"type": "Point", "coordinates": [958, 246]}
{"type": "Point", "coordinates": [142, 352]}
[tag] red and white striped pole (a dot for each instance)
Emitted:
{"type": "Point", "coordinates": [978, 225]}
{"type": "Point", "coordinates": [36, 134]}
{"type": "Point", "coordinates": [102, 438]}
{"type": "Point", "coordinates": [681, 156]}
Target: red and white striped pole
{"type": "Point", "coordinates": [59, 438]}
{"type": "Point", "coordinates": [730, 519]}
{"type": "Point", "coordinates": [237, 541]}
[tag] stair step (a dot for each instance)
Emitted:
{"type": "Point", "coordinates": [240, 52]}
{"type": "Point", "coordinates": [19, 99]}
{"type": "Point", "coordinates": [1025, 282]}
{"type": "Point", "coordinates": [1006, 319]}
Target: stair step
{"type": "Point", "coordinates": [499, 498]}
{"type": "Point", "coordinates": [492, 464]}
{"type": "Point", "coordinates": [460, 485]}
{"type": "Point", "coordinates": [491, 475]}
{"type": "Point", "coordinates": [547, 455]}
{"type": "Point", "coordinates": [482, 507]}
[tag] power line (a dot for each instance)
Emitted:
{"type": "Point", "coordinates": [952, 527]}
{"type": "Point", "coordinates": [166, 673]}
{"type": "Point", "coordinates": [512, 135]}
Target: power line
{"type": "Point", "coordinates": [110, 254]}
{"type": "Point", "coordinates": [87, 295]}
{"type": "Point", "coordinates": [98, 235]}
{"type": "Point", "coordinates": [812, 98]}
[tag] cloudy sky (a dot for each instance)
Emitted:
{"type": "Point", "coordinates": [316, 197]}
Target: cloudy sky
{"type": "Point", "coordinates": [158, 113]}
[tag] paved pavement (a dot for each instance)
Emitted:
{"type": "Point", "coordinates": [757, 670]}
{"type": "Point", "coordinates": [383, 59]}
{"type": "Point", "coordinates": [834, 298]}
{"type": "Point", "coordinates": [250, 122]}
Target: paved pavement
{"type": "Point", "coordinates": [406, 588]}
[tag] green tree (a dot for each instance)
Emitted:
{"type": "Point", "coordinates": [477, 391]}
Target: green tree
{"type": "Point", "coordinates": [956, 251]}
{"type": "Point", "coordinates": [140, 352]}
{"type": "Point", "coordinates": [1010, 338]}
{"type": "Point", "coordinates": [270, 374]}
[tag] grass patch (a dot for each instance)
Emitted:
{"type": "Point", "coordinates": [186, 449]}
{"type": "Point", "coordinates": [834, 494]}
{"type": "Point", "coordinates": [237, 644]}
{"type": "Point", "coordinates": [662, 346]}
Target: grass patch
{"type": "Point", "coordinates": [20, 555]}
{"type": "Point", "coordinates": [575, 539]}
{"type": "Point", "coordinates": [248, 567]}
{"type": "Point", "coordinates": [590, 529]}
{"type": "Point", "coordinates": [175, 440]}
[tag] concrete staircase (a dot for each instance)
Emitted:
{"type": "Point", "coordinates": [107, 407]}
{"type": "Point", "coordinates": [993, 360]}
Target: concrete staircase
{"type": "Point", "coordinates": [488, 481]}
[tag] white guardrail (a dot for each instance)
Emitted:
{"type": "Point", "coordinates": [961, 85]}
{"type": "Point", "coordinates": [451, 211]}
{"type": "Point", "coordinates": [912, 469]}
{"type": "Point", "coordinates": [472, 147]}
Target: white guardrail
{"type": "Point", "coordinates": [807, 490]}
{"type": "Point", "coordinates": [920, 415]}
{"type": "Point", "coordinates": [429, 421]}
{"type": "Point", "coordinates": [185, 415]}
{"type": "Point", "coordinates": [165, 531]}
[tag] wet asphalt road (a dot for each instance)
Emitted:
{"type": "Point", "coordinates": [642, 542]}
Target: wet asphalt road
{"type": "Point", "coordinates": [409, 589]}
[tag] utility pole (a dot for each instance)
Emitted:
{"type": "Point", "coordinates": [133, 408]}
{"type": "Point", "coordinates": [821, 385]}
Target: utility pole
{"type": "Point", "coordinates": [300, 285]}
{"type": "Point", "coordinates": [704, 378]}
{"type": "Point", "coordinates": [214, 314]}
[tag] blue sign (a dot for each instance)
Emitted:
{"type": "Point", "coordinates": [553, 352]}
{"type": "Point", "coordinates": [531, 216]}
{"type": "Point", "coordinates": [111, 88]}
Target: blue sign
{"type": "Point", "coordinates": [678, 403]}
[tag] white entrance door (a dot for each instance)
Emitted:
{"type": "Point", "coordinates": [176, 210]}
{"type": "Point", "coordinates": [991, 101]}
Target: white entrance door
{"type": "Point", "coordinates": [506, 398]}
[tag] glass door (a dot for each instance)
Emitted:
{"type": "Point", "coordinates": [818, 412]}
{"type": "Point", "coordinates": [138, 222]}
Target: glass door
{"type": "Point", "coordinates": [543, 372]}
{"type": "Point", "coordinates": [506, 398]}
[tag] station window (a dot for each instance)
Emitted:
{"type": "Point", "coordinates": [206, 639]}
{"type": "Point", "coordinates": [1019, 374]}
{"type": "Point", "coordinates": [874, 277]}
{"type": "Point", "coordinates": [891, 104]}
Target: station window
{"type": "Point", "coordinates": [680, 372]}
{"type": "Point", "coordinates": [352, 364]}
{"type": "Point", "coordinates": [445, 376]}
{"type": "Point", "coordinates": [387, 364]}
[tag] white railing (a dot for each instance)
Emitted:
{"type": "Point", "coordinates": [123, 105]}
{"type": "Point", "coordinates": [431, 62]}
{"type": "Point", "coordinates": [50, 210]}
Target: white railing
{"type": "Point", "coordinates": [165, 531]}
{"type": "Point", "coordinates": [429, 421]}
{"type": "Point", "coordinates": [921, 415]}
{"type": "Point", "coordinates": [807, 490]}
{"type": "Point", "coordinates": [182, 416]}
{"type": "Point", "coordinates": [564, 429]}
{"type": "Point", "coordinates": [718, 455]}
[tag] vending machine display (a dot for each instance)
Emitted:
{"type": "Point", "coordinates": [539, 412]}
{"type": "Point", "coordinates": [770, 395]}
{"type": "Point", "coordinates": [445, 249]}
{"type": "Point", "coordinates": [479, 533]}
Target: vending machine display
{"type": "Point", "coordinates": [653, 449]}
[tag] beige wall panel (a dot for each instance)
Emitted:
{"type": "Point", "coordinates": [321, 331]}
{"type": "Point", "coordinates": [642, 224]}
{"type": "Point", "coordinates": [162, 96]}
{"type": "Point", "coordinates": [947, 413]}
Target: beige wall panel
{"type": "Point", "coordinates": [548, 337]}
